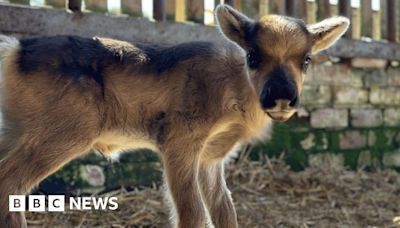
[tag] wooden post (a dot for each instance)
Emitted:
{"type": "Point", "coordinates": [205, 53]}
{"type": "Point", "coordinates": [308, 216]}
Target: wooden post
{"type": "Point", "coordinates": [383, 21]}
{"type": "Point", "coordinates": [376, 24]}
{"type": "Point", "coordinates": [132, 7]}
{"type": "Point", "coordinates": [22, 2]}
{"type": "Point", "coordinates": [277, 7]}
{"type": "Point", "coordinates": [56, 3]}
{"type": "Point", "coordinates": [391, 20]}
{"type": "Point", "coordinates": [311, 12]}
{"type": "Point", "coordinates": [291, 7]}
{"type": "Point", "coordinates": [96, 5]}
{"type": "Point", "coordinates": [195, 10]}
{"type": "Point", "coordinates": [323, 9]}
{"type": "Point", "coordinates": [170, 9]}
{"type": "Point", "coordinates": [345, 10]}
{"type": "Point", "coordinates": [263, 6]}
{"type": "Point", "coordinates": [366, 18]}
{"type": "Point", "coordinates": [237, 4]}
{"type": "Point", "coordinates": [159, 10]}
{"type": "Point", "coordinates": [75, 5]}
{"type": "Point", "coordinates": [296, 8]}
{"type": "Point", "coordinates": [180, 10]}
{"type": "Point", "coordinates": [356, 23]}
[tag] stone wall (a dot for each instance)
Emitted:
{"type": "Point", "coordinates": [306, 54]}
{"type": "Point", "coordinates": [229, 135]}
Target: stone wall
{"type": "Point", "coordinates": [351, 112]}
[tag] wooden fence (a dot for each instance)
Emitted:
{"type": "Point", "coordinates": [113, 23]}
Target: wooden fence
{"type": "Point", "coordinates": [376, 20]}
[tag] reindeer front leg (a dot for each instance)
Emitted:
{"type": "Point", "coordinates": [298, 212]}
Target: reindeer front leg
{"type": "Point", "coordinates": [217, 195]}
{"type": "Point", "coordinates": [181, 162]}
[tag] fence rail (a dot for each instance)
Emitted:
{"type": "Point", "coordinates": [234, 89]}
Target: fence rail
{"type": "Point", "coordinates": [374, 19]}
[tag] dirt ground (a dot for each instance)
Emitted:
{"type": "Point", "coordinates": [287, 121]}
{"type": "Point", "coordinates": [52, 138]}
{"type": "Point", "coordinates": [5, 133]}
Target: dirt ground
{"type": "Point", "coordinates": [266, 194]}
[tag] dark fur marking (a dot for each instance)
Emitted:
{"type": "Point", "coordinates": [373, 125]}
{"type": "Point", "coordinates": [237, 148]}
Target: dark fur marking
{"type": "Point", "coordinates": [157, 127]}
{"type": "Point", "coordinates": [162, 59]}
{"type": "Point", "coordinates": [253, 56]}
{"type": "Point", "coordinates": [71, 56]}
{"type": "Point", "coordinates": [78, 57]}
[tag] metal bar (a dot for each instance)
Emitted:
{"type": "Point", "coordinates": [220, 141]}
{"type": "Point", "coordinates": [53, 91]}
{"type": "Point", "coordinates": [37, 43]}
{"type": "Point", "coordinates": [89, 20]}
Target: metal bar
{"type": "Point", "coordinates": [291, 7]}
{"type": "Point", "coordinates": [391, 20]}
{"type": "Point", "coordinates": [159, 10]}
{"type": "Point", "coordinates": [345, 10]}
{"type": "Point", "coordinates": [75, 5]}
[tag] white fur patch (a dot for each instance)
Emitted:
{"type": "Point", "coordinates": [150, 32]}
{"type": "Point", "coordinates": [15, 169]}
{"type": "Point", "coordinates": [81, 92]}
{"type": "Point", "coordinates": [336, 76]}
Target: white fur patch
{"type": "Point", "coordinates": [7, 44]}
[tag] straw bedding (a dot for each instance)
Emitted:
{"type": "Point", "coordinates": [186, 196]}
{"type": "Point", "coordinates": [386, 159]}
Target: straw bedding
{"type": "Point", "coordinates": [266, 194]}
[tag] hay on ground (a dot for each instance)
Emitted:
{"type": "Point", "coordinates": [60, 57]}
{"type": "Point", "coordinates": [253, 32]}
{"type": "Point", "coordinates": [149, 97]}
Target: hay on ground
{"type": "Point", "coordinates": [266, 194]}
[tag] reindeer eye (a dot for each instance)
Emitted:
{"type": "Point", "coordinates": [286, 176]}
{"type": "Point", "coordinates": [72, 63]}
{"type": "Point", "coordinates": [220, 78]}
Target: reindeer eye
{"type": "Point", "coordinates": [253, 59]}
{"type": "Point", "coordinates": [306, 62]}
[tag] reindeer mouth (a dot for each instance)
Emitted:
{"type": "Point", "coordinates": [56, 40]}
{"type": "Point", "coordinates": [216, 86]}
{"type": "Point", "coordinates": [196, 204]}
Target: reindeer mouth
{"type": "Point", "coordinates": [280, 115]}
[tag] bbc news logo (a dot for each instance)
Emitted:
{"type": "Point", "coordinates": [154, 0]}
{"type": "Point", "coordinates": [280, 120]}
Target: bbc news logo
{"type": "Point", "coordinates": [56, 203]}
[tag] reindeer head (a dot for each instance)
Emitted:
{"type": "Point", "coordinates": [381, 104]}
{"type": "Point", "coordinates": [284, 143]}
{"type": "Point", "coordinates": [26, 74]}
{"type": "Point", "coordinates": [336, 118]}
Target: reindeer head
{"type": "Point", "coordinates": [278, 51]}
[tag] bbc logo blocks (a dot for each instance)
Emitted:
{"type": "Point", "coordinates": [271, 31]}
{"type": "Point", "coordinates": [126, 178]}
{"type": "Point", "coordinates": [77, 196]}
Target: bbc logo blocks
{"type": "Point", "coordinates": [36, 203]}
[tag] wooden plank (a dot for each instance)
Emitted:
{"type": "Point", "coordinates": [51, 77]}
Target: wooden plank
{"type": "Point", "coordinates": [195, 10]}
{"type": "Point", "coordinates": [96, 5]}
{"type": "Point", "coordinates": [398, 20]}
{"type": "Point", "coordinates": [56, 3]}
{"type": "Point", "coordinates": [391, 20]}
{"type": "Point", "coordinates": [376, 24]}
{"type": "Point", "coordinates": [263, 7]}
{"type": "Point", "coordinates": [33, 22]}
{"type": "Point", "coordinates": [159, 10]}
{"type": "Point", "coordinates": [132, 7]}
{"type": "Point", "coordinates": [384, 17]}
{"type": "Point", "coordinates": [170, 8]}
{"type": "Point", "coordinates": [323, 9]}
{"type": "Point", "coordinates": [366, 18]}
{"type": "Point", "coordinates": [23, 2]}
{"type": "Point", "coordinates": [311, 12]}
{"type": "Point", "coordinates": [296, 8]}
{"type": "Point", "coordinates": [291, 8]}
{"type": "Point", "coordinates": [180, 10]}
{"type": "Point", "coordinates": [344, 9]}
{"type": "Point", "coordinates": [75, 5]}
{"type": "Point", "coordinates": [278, 7]}
{"type": "Point", "coordinates": [237, 4]}
{"type": "Point", "coordinates": [356, 23]}
{"type": "Point", "coordinates": [302, 10]}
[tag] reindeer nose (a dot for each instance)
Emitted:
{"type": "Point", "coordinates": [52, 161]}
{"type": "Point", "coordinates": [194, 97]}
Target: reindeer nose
{"type": "Point", "coordinates": [283, 95]}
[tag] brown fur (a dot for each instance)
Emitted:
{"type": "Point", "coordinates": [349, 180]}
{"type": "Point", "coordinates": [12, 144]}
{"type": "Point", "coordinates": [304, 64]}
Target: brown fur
{"type": "Point", "coordinates": [192, 115]}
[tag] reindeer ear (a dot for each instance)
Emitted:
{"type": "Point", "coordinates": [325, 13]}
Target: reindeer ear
{"type": "Point", "coordinates": [233, 24]}
{"type": "Point", "coordinates": [327, 32]}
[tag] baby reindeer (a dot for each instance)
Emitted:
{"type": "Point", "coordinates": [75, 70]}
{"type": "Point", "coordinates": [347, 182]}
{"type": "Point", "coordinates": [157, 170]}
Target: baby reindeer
{"type": "Point", "coordinates": [192, 103]}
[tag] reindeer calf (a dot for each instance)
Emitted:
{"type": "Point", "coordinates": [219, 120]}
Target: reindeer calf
{"type": "Point", "coordinates": [192, 103]}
